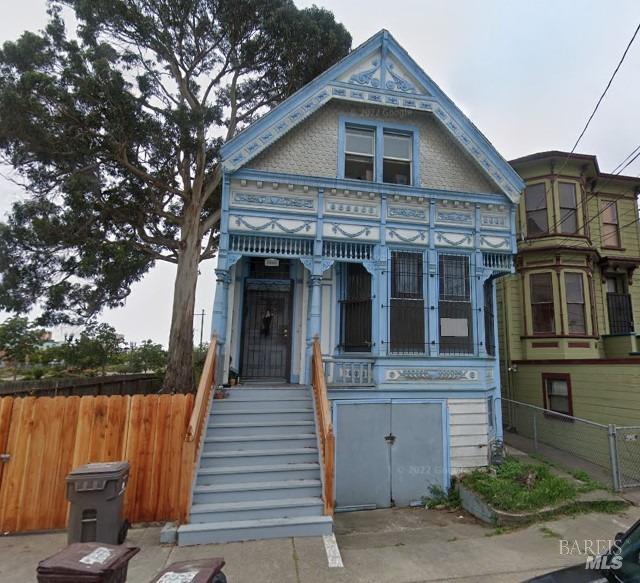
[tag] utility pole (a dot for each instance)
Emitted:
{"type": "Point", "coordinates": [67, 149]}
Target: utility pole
{"type": "Point", "coordinates": [201, 315]}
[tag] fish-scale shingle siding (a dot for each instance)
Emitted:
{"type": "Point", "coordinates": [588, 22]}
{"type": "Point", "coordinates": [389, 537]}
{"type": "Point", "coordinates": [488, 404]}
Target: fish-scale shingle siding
{"type": "Point", "coordinates": [312, 148]}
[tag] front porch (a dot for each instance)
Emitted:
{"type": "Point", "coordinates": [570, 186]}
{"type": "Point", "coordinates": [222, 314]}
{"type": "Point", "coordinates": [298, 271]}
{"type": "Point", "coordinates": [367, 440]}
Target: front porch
{"type": "Point", "coordinates": [379, 312]}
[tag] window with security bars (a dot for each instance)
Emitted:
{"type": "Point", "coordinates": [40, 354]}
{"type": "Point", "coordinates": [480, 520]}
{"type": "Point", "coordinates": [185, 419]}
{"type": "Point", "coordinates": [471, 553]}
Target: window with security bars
{"type": "Point", "coordinates": [456, 326]}
{"type": "Point", "coordinates": [489, 332]}
{"type": "Point", "coordinates": [406, 318]}
{"type": "Point", "coordinates": [355, 308]}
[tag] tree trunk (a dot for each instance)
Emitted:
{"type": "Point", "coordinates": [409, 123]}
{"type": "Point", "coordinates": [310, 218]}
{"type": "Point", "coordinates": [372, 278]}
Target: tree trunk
{"type": "Point", "coordinates": [179, 375]}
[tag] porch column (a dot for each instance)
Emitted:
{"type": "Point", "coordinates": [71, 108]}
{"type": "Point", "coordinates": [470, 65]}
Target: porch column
{"type": "Point", "coordinates": [314, 321]}
{"type": "Point", "coordinates": [381, 309]}
{"type": "Point", "coordinates": [315, 308]}
{"type": "Point", "coordinates": [219, 320]}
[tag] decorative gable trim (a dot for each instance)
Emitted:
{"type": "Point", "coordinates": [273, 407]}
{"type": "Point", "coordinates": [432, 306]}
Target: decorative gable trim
{"type": "Point", "coordinates": [378, 71]}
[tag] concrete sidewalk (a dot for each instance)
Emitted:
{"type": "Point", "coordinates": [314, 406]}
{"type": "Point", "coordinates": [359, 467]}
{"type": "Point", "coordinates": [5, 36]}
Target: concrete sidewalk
{"type": "Point", "coordinates": [399, 546]}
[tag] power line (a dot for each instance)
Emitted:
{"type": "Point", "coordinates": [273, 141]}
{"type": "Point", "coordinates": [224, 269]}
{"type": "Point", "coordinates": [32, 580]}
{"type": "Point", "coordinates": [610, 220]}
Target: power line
{"type": "Point", "coordinates": [595, 109]}
{"type": "Point", "coordinates": [593, 113]}
{"type": "Point", "coordinates": [594, 194]}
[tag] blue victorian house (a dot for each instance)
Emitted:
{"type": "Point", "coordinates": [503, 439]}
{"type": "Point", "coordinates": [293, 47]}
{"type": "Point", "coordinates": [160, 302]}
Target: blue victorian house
{"type": "Point", "coordinates": [367, 212]}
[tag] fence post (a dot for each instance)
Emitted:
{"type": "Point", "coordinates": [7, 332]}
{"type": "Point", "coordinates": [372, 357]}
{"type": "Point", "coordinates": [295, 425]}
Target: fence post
{"type": "Point", "coordinates": [535, 432]}
{"type": "Point", "coordinates": [613, 456]}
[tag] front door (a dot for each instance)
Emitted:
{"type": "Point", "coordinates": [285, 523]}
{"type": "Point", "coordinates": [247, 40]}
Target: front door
{"type": "Point", "coordinates": [266, 335]}
{"type": "Point", "coordinates": [387, 453]}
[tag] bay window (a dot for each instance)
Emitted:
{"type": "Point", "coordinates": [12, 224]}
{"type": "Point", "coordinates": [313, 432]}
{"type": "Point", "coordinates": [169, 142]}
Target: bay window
{"type": "Point", "coordinates": [535, 201]}
{"type": "Point", "coordinates": [610, 231]}
{"type": "Point", "coordinates": [542, 313]}
{"type": "Point", "coordinates": [574, 292]}
{"type": "Point", "coordinates": [568, 208]}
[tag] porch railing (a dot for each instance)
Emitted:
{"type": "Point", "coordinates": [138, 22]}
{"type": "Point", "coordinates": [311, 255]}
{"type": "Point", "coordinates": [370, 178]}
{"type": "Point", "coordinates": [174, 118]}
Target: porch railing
{"type": "Point", "coordinates": [620, 313]}
{"type": "Point", "coordinates": [348, 372]}
{"type": "Point", "coordinates": [195, 428]}
{"type": "Point", "coordinates": [325, 427]}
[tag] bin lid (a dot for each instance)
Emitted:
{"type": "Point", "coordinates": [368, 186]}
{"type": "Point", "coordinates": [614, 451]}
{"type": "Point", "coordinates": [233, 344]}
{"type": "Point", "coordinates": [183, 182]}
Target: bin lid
{"type": "Point", "coordinates": [196, 571]}
{"type": "Point", "coordinates": [100, 470]}
{"type": "Point", "coordinates": [87, 559]}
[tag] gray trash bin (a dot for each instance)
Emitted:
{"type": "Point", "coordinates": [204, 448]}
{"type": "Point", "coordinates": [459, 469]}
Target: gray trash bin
{"type": "Point", "coordinates": [96, 492]}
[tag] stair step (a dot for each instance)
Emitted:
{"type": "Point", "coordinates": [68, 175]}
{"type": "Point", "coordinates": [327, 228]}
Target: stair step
{"type": "Point", "coordinates": [251, 491]}
{"type": "Point", "coordinates": [256, 510]}
{"type": "Point", "coordinates": [258, 473]}
{"type": "Point", "coordinates": [246, 415]}
{"type": "Point", "coordinates": [258, 405]}
{"type": "Point", "coordinates": [267, 393]}
{"type": "Point", "coordinates": [223, 429]}
{"type": "Point", "coordinates": [249, 442]}
{"type": "Point", "coordinates": [258, 456]}
{"type": "Point", "coordinates": [218, 532]}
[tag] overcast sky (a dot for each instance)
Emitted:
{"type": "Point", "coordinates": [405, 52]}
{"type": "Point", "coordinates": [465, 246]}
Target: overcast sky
{"type": "Point", "coordinates": [527, 73]}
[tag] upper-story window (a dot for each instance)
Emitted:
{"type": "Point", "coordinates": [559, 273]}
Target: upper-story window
{"type": "Point", "coordinates": [397, 155]}
{"type": "Point", "coordinates": [610, 230]}
{"type": "Point", "coordinates": [374, 151]}
{"type": "Point", "coordinates": [574, 292]}
{"type": "Point", "coordinates": [360, 153]}
{"type": "Point", "coordinates": [542, 314]}
{"type": "Point", "coordinates": [535, 199]}
{"type": "Point", "coordinates": [568, 208]}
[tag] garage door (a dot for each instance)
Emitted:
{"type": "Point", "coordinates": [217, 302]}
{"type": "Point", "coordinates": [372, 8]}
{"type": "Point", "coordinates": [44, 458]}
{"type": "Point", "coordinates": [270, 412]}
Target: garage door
{"type": "Point", "coordinates": [387, 453]}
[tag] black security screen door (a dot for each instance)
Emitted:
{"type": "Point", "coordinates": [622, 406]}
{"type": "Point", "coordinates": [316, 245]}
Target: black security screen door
{"type": "Point", "coordinates": [355, 308]}
{"type": "Point", "coordinates": [266, 322]}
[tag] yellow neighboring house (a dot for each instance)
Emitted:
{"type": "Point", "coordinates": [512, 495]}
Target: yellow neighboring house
{"type": "Point", "coordinates": [569, 317]}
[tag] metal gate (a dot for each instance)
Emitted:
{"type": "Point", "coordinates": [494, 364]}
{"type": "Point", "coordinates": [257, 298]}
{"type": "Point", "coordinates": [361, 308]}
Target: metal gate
{"type": "Point", "coordinates": [266, 334]}
{"type": "Point", "coordinates": [388, 453]}
{"type": "Point", "coordinates": [628, 455]}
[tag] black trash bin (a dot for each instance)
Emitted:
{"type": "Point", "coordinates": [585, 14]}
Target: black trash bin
{"type": "Point", "coordinates": [87, 563]}
{"type": "Point", "coordinates": [196, 571]}
{"type": "Point", "coordinates": [96, 492]}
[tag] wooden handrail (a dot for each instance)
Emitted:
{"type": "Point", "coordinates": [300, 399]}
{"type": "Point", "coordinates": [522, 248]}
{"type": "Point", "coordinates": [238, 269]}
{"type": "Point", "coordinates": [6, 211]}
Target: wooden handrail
{"type": "Point", "coordinates": [204, 392]}
{"type": "Point", "coordinates": [325, 426]}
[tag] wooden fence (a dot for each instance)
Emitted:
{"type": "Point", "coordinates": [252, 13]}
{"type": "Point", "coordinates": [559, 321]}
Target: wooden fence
{"type": "Point", "coordinates": [46, 437]}
{"type": "Point", "coordinates": [129, 384]}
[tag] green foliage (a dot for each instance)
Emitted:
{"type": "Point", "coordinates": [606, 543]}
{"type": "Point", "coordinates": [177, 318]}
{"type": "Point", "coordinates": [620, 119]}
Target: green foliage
{"type": "Point", "coordinates": [96, 347]}
{"type": "Point", "coordinates": [116, 133]}
{"type": "Point", "coordinates": [514, 486]}
{"type": "Point", "coordinates": [19, 340]}
{"type": "Point", "coordinates": [439, 498]}
{"type": "Point", "coordinates": [199, 356]}
{"type": "Point", "coordinates": [146, 357]}
{"type": "Point", "coordinates": [587, 484]}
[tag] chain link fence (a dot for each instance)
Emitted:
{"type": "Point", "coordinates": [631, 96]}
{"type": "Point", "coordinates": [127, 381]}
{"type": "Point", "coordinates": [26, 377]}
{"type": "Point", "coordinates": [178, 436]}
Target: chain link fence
{"type": "Point", "coordinates": [614, 449]}
{"type": "Point", "coordinates": [628, 455]}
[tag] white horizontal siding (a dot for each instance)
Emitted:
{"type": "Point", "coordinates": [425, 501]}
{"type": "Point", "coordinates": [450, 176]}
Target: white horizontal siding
{"type": "Point", "coordinates": [468, 434]}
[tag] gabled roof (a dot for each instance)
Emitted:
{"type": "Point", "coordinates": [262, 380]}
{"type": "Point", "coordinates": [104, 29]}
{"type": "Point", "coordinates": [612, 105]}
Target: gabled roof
{"type": "Point", "coordinates": [379, 71]}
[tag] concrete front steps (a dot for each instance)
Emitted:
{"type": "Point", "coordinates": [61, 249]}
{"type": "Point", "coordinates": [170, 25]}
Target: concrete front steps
{"type": "Point", "coordinates": [259, 471]}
